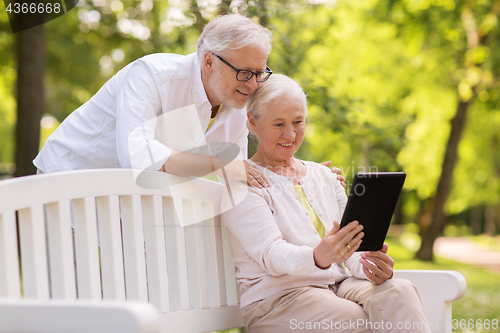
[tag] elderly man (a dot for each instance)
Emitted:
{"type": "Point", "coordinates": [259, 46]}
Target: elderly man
{"type": "Point", "coordinates": [158, 112]}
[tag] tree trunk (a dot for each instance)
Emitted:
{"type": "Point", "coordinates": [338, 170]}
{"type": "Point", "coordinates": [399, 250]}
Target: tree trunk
{"type": "Point", "coordinates": [200, 21]}
{"type": "Point", "coordinates": [435, 228]}
{"type": "Point", "coordinates": [498, 217]}
{"type": "Point", "coordinates": [475, 220]}
{"type": "Point", "coordinates": [475, 38]}
{"type": "Point", "coordinates": [225, 7]}
{"type": "Point", "coordinates": [490, 226]}
{"type": "Point", "coordinates": [30, 48]}
{"type": "Point", "coordinates": [263, 13]}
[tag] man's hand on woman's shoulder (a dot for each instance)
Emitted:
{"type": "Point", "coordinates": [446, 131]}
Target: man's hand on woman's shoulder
{"type": "Point", "coordinates": [337, 171]}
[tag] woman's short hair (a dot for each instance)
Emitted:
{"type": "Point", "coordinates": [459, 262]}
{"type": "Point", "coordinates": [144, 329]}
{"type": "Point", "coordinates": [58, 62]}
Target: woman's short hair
{"type": "Point", "coordinates": [231, 32]}
{"type": "Point", "coordinates": [277, 86]}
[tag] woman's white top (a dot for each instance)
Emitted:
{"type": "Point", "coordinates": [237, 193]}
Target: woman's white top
{"type": "Point", "coordinates": [273, 238]}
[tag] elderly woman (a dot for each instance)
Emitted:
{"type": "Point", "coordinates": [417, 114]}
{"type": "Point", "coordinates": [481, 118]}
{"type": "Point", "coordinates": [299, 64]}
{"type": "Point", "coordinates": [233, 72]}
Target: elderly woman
{"type": "Point", "coordinates": [296, 269]}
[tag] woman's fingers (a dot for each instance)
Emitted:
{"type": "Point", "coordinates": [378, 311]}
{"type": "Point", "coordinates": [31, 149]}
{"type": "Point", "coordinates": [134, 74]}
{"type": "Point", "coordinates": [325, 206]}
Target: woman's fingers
{"type": "Point", "coordinates": [377, 265]}
{"type": "Point", "coordinates": [338, 244]}
{"type": "Point", "coordinates": [371, 276]}
{"type": "Point", "coordinates": [353, 245]}
{"type": "Point", "coordinates": [341, 232]}
{"type": "Point", "coordinates": [336, 227]}
{"type": "Point", "coordinates": [347, 240]}
{"type": "Point", "coordinates": [379, 257]}
{"type": "Point", "coordinates": [375, 273]}
{"type": "Point", "coordinates": [347, 233]}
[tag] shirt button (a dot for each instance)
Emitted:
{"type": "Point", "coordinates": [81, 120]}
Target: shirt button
{"type": "Point", "coordinates": [307, 213]}
{"type": "Point", "coordinates": [320, 214]}
{"type": "Point", "coordinates": [205, 115]}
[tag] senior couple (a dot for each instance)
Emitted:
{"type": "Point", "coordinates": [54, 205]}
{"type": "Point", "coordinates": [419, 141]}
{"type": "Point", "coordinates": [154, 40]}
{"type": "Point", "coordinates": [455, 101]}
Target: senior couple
{"type": "Point", "coordinates": [295, 267]}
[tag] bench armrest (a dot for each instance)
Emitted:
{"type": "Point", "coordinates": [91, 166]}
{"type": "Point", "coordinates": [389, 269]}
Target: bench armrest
{"type": "Point", "coordinates": [56, 316]}
{"type": "Point", "coordinates": [437, 289]}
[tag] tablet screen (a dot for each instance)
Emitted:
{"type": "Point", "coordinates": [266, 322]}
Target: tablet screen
{"type": "Point", "coordinates": [372, 200]}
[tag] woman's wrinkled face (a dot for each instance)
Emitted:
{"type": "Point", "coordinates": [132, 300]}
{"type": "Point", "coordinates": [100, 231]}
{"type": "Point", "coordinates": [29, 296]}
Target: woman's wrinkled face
{"type": "Point", "coordinates": [281, 128]}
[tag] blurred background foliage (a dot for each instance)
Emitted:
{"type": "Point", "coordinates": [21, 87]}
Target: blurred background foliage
{"type": "Point", "coordinates": [385, 81]}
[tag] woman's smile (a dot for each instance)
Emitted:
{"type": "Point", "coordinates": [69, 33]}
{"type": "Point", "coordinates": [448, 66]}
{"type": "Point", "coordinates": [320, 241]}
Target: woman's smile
{"type": "Point", "coordinates": [286, 145]}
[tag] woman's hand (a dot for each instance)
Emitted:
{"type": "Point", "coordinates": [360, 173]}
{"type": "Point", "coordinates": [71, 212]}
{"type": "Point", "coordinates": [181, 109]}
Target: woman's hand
{"type": "Point", "coordinates": [255, 178]}
{"type": "Point", "coordinates": [377, 265]}
{"type": "Point", "coordinates": [338, 245]}
{"type": "Point", "coordinates": [337, 171]}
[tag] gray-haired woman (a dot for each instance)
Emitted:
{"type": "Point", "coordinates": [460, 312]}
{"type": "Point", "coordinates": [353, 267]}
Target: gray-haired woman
{"type": "Point", "coordinates": [296, 269]}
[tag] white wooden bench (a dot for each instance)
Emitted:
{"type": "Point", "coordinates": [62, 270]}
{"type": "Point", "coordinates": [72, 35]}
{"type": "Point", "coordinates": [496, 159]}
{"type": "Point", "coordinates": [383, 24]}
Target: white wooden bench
{"type": "Point", "coordinates": [137, 245]}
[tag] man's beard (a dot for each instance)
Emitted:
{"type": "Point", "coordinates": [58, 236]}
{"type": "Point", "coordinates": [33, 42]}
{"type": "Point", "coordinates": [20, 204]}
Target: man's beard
{"type": "Point", "coordinates": [223, 95]}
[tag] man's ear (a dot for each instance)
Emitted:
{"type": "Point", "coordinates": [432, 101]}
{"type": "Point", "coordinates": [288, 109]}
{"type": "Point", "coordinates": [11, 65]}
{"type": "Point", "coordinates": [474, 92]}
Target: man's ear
{"type": "Point", "coordinates": [208, 60]}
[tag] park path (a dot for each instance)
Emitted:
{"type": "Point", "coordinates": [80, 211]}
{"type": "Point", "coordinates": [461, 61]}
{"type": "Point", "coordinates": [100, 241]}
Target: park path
{"type": "Point", "coordinates": [467, 251]}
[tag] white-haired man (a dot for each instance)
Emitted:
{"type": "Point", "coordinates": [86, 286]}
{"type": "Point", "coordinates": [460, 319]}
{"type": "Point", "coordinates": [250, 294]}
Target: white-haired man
{"type": "Point", "coordinates": [161, 111]}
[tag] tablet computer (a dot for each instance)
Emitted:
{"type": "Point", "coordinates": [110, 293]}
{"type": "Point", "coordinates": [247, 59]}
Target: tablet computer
{"type": "Point", "coordinates": [371, 202]}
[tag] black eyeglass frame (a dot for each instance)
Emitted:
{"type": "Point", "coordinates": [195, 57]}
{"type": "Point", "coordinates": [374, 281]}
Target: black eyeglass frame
{"type": "Point", "coordinates": [268, 70]}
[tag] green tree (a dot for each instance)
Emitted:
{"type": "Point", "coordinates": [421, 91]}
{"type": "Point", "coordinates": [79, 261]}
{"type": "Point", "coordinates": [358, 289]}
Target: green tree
{"type": "Point", "coordinates": [461, 35]}
{"type": "Point", "coordinates": [7, 91]}
{"type": "Point", "coordinates": [383, 80]}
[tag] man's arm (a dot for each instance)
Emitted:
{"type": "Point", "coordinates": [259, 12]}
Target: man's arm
{"type": "Point", "coordinates": [188, 164]}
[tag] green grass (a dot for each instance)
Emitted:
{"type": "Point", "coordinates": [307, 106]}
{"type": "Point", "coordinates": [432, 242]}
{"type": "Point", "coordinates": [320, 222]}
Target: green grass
{"type": "Point", "coordinates": [481, 300]}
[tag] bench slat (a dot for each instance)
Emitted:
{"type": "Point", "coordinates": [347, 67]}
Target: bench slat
{"type": "Point", "coordinates": [35, 276]}
{"type": "Point", "coordinates": [221, 269]}
{"type": "Point", "coordinates": [62, 267]}
{"type": "Point", "coordinates": [211, 259]}
{"type": "Point", "coordinates": [10, 285]}
{"type": "Point", "coordinates": [176, 254]}
{"type": "Point", "coordinates": [231, 291]}
{"type": "Point", "coordinates": [156, 259]}
{"type": "Point", "coordinates": [133, 248]}
{"type": "Point", "coordinates": [195, 252]}
{"type": "Point", "coordinates": [86, 249]}
{"type": "Point", "coordinates": [108, 221]}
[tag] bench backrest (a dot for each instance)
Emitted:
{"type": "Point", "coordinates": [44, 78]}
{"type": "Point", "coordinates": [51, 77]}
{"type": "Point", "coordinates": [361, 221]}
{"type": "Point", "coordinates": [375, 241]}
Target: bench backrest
{"type": "Point", "coordinates": [128, 242]}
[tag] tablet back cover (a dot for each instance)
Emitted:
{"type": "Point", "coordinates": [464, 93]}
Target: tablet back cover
{"type": "Point", "coordinates": [372, 201]}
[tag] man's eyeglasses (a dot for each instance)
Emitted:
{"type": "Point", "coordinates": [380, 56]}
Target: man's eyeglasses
{"type": "Point", "coordinates": [245, 75]}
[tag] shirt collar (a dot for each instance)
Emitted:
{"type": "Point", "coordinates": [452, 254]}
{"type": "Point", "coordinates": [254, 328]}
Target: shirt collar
{"type": "Point", "coordinates": [199, 94]}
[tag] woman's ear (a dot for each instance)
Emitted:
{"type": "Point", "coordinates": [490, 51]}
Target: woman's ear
{"type": "Point", "coordinates": [252, 122]}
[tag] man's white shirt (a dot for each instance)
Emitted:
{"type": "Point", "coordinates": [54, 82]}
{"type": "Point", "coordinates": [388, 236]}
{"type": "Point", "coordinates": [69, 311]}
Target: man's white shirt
{"type": "Point", "coordinates": [155, 104]}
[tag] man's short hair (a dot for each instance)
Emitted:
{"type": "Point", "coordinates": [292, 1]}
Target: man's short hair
{"type": "Point", "coordinates": [232, 32]}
